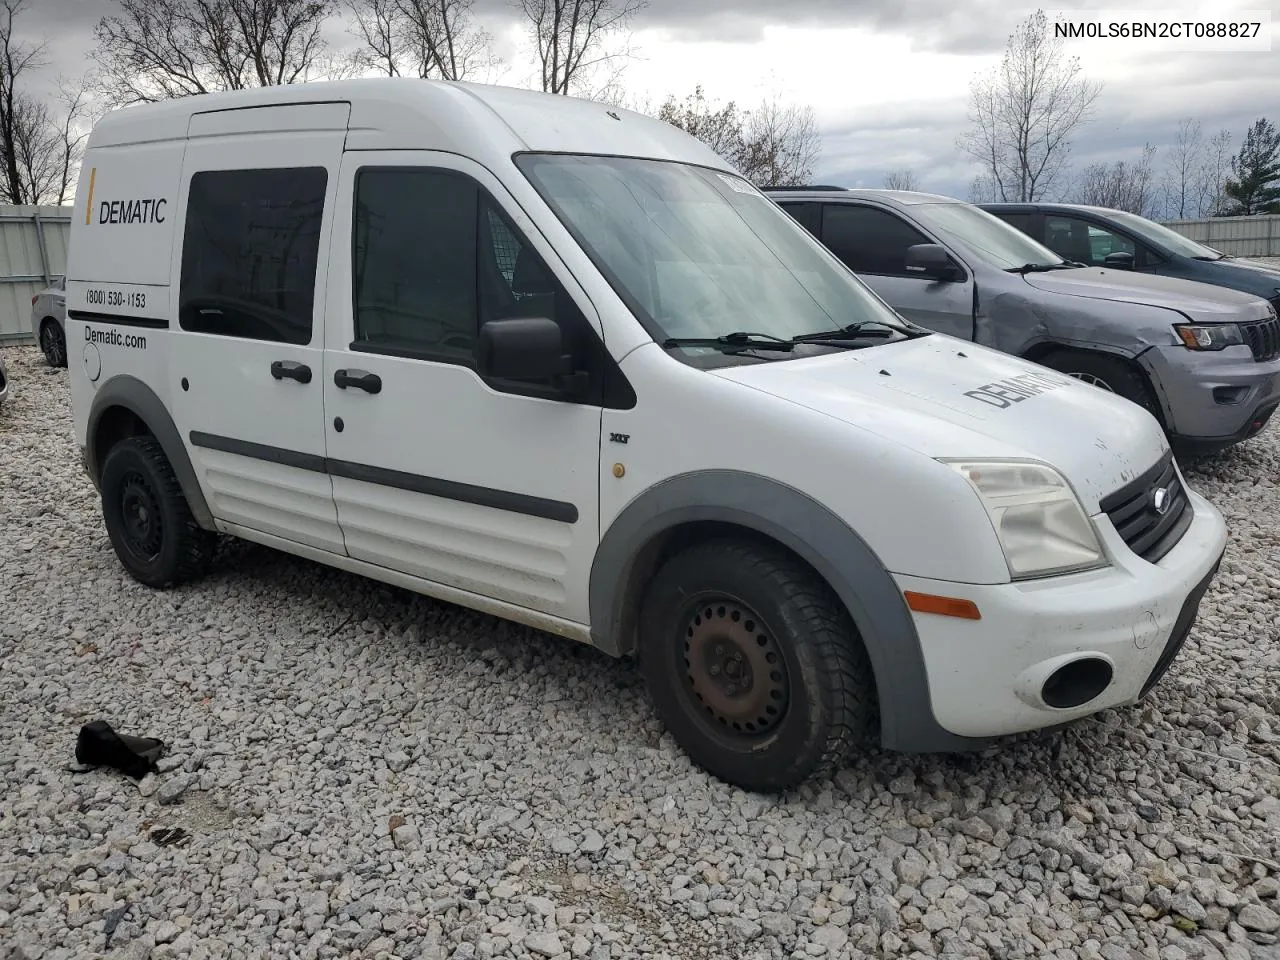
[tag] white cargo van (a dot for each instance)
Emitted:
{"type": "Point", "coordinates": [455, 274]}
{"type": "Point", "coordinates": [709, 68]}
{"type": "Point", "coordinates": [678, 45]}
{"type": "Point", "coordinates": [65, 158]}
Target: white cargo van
{"type": "Point", "coordinates": [558, 362]}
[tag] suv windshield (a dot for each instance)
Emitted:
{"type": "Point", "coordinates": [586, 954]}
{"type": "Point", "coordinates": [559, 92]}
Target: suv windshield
{"type": "Point", "coordinates": [700, 254]}
{"type": "Point", "coordinates": [1002, 246]}
{"type": "Point", "coordinates": [1171, 240]}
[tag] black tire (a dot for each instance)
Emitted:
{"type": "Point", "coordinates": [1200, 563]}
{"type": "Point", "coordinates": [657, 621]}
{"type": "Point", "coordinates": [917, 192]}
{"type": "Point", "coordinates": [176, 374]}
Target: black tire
{"type": "Point", "coordinates": [815, 704]}
{"type": "Point", "coordinates": [53, 343]}
{"type": "Point", "coordinates": [1107, 373]}
{"type": "Point", "coordinates": [147, 518]}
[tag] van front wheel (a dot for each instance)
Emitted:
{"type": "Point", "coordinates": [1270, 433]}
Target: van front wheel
{"type": "Point", "coordinates": [147, 517]}
{"type": "Point", "coordinates": [753, 665]}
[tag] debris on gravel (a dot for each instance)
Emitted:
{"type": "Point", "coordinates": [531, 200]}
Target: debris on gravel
{"type": "Point", "coordinates": [355, 771]}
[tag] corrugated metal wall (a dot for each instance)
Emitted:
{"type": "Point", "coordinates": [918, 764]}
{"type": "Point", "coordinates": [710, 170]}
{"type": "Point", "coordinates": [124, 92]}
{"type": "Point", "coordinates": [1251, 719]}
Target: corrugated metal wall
{"type": "Point", "coordinates": [1234, 236]}
{"type": "Point", "coordinates": [33, 252]}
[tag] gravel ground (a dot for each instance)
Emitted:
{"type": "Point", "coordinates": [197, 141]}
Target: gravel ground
{"type": "Point", "coordinates": [365, 773]}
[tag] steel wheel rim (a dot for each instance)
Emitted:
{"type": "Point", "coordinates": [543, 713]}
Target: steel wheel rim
{"type": "Point", "coordinates": [1093, 380]}
{"type": "Point", "coordinates": [141, 521]}
{"type": "Point", "coordinates": [732, 669]}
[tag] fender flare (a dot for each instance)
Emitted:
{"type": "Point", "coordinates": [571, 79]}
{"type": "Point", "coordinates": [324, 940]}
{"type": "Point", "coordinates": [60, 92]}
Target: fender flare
{"type": "Point", "coordinates": [811, 531]}
{"type": "Point", "coordinates": [140, 400]}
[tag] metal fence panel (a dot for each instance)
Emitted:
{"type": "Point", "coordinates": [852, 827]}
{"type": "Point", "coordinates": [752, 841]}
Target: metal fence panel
{"type": "Point", "coordinates": [1236, 236]}
{"type": "Point", "coordinates": [33, 252]}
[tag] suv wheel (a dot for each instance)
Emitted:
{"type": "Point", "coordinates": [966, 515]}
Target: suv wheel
{"type": "Point", "coordinates": [148, 520]}
{"type": "Point", "coordinates": [753, 665]}
{"type": "Point", "coordinates": [53, 343]}
{"type": "Point", "coordinates": [1106, 373]}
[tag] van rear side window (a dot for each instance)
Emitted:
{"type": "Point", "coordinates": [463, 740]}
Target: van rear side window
{"type": "Point", "coordinates": [249, 253]}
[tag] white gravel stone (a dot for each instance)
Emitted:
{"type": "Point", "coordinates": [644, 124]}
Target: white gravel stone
{"type": "Point", "coordinates": [366, 773]}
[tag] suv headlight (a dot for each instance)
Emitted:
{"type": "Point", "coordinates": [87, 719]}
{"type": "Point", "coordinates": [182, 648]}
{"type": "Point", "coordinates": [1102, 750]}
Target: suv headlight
{"type": "Point", "coordinates": [1038, 519]}
{"type": "Point", "coordinates": [1213, 336]}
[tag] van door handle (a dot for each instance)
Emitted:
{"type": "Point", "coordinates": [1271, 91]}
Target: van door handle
{"type": "Point", "coordinates": [368, 382]}
{"type": "Point", "coordinates": [291, 369]}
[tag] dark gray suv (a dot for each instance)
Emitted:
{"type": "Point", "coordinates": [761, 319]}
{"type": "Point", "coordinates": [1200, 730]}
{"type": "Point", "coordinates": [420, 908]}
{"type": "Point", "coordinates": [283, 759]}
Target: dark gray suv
{"type": "Point", "coordinates": [1125, 241]}
{"type": "Point", "coordinates": [1202, 359]}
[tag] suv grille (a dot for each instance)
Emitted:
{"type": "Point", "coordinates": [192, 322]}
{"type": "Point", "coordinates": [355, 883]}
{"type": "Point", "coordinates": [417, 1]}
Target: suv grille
{"type": "Point", "coordinates": [1263, 338]}
{"type": "Point", "coordinates": [1148, 531]}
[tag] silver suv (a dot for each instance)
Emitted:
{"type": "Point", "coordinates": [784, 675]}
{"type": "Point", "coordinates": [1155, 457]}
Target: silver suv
{"type": "Point", "coordinates": [1204, 360]}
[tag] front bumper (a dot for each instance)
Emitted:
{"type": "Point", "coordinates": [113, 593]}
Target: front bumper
{"type": "Point", "coordinates": [1213, 400]}
{"type": "Point", "coordinates": [987, 678]}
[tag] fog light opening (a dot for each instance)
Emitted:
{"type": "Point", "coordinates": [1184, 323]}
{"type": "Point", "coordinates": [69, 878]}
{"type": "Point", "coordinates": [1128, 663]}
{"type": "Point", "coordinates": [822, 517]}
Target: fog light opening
{"type": "Point", "coordinates": [1076, 683]}
{"type": "Point", "coordinates": [1229, 395]}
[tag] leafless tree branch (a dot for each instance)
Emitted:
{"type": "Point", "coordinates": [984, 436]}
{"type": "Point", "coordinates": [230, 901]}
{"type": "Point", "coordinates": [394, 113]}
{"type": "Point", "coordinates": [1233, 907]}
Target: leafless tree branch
{"type": "Point", "coordinates": [1024, 114]}
{"type": "Point", "coordinates": [774, 145]}
{"type": "Point", "coordinates": [902, 179]}
{"type": "Point", "coordinates": [158, 49]}
{"type": "Point", "coordinates": [570, 37]}
{"type": "Point", "coordinates": [1121, 185]}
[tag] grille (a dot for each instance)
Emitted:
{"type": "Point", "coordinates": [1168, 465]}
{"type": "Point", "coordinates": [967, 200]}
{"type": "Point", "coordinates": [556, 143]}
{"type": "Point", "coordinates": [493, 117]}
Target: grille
{"type": "Point", "coordinates": [1263, 338]}
{"type": "Point", "coordinates": [1148, 532]}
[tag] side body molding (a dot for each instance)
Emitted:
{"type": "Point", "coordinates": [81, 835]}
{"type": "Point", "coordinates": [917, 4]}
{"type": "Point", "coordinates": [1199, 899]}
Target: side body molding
{"type": "Point", "coordinates": [138, 398]}
{"type": "Point", "coordinates": [815, 534]}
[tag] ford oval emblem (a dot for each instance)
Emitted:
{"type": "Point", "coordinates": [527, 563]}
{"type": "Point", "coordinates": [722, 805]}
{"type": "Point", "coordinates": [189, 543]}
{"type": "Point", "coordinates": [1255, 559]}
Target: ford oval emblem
{"type": "Point", "coordinates": [1162, 499]}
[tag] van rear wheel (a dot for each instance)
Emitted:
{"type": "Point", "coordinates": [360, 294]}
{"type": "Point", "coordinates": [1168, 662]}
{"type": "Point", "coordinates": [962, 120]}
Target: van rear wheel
{"type": "Point", "coordinates": [1106, 373]}
{"type": "Point", "coordinates": [753, 665]}
{"type": "Point", "coordinates": [148, 520]}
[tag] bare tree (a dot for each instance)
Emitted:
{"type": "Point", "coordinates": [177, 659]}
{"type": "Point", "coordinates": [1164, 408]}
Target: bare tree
{"type": "Point", "coordinates": [16, 108]}
{"type": "Point", "coordinates": [774, 145]}
{"type": "Point", "coordinates": [40, 143]}
{"type": "Point", "coordinates": [1024, 114]}
{"type": "Point", "coordinates": [720, 128]}
{"type": "Point", "coordinates": [782, 144]}
{"type": "Point", "coordinates": [902, 179]}
{"type": "Point", "coordinates": [48, 145]}
{"type": "Point", "coordinates": [1121, 186]}
{"type": "Point", "coordinates": [571, 37]}
{"type": "Point", "coordinates": [157, 49]}
{"type": "Point", "coordinates": [1184, 171]}
{"type": "Point", "coordinates": [983, 189]}
{"type": "Point", "coordinates": [424, 38]}
{"type": "Point", "coordinates": [1214, 173]}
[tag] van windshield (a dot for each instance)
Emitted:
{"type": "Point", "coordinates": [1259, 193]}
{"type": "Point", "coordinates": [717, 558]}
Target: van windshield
{"type": "Point", "coordinates": [1000, 245]}
{"type": "Point", "coordinates": [696, 253]}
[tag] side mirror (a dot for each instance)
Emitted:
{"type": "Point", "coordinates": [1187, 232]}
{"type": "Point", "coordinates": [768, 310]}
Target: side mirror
{"type": "Point", "coordinates": [523, 348]}
{"type": "Point", "coordinates": [1120, 260]}
{"type": "Point", "coordinates": [930, 260]}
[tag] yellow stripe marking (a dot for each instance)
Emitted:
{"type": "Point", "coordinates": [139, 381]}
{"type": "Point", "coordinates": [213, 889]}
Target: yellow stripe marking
{"type": "Point", "coordinates": [88, 207]}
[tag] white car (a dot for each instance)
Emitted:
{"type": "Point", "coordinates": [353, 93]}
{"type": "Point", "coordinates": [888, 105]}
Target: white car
{"type": "Point", "coordinates": [49, 322]}
{"type": "Point", "coordinates": [4, 381]}
{"type": "Point", "coordinates": [556, 361]}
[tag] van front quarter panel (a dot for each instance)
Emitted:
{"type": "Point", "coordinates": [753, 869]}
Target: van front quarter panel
{"type": "Point", "coordinates": [674, 512]}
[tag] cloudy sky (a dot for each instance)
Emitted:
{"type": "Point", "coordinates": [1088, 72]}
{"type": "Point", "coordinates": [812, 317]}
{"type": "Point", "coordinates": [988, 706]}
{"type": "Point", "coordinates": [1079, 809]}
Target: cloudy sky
{"type": "Point", "coordinates": [888, 79]}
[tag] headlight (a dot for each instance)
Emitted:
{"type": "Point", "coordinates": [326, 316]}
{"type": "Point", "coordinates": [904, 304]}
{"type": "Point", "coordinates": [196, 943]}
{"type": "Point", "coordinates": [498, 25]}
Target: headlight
{"type": "Point", "coordinates": [1208, 337]}
{"type": "Point", "coordinates": [1038, 519]}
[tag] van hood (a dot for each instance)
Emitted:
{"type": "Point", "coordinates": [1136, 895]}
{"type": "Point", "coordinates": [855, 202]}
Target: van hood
{"type": "Point", "coordinates": [948, 398]}
{"type": "Point", "coordinates": [1200, 302]}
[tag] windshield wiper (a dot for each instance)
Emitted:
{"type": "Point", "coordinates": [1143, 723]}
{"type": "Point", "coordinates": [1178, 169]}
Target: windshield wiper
{"type": "Point", "coordinates": [1042, 267]}
{"type": "Point", "coordinates": [853, 331]}
{"type": "Point", "coordinates": [738, 340]}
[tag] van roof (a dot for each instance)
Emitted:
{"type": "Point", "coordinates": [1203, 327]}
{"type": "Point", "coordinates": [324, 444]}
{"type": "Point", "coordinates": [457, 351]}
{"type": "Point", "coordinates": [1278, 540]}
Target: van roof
{"type": "Point", "coordinates": [404, 113]}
